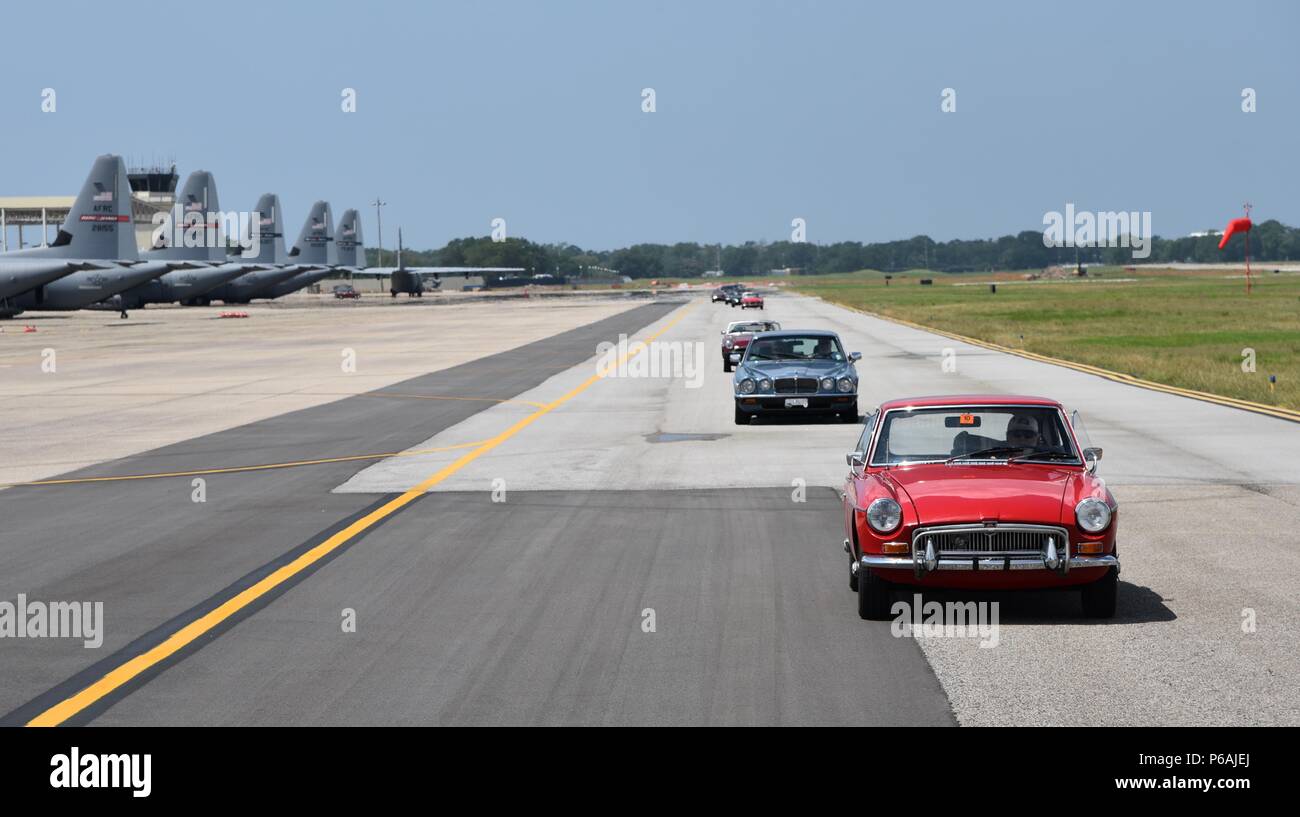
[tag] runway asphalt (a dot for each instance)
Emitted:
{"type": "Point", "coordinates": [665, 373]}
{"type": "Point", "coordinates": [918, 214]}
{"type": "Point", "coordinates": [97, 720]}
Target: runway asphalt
{"type": "Point", "coordinates": [516, 578]}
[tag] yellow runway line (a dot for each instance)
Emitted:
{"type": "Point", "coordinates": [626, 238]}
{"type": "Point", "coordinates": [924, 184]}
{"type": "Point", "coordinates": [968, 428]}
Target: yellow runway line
{"type": "Point", "coordinates": [186, 635]}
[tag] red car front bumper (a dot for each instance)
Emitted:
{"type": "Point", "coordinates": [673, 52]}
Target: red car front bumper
{"type": "Point", "coordinates": [989, 574]}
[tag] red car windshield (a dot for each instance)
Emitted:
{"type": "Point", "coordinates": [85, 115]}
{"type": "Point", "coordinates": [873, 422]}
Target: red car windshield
{"type": "Point", "coordinates": [758, 326]}
{"type": "Point", "coordinates": [973, 433]}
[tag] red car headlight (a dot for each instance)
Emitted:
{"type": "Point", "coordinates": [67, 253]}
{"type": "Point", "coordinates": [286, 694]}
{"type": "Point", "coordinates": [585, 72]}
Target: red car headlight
{"type": "Point", "coordinates": [1092, 514]}
{"type": "Point", "coordinates": [884, 514]}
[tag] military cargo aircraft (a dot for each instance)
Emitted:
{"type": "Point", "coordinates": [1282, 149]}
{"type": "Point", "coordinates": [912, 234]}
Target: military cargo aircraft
{"type": "Point", "coordinates": [93, 257]}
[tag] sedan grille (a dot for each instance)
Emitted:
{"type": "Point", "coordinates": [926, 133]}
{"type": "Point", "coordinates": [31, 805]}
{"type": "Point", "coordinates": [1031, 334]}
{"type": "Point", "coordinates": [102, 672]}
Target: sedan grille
{"type": "Point", "coordinates": [977, 540]}
{"type": "Point", "coordinates": [795, 385]}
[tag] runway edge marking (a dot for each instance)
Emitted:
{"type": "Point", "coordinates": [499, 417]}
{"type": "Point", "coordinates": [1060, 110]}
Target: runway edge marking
{"type": "Point", "coordinates": [186, 635]}
{"type": "Point", "coordinates": [1119, 377]}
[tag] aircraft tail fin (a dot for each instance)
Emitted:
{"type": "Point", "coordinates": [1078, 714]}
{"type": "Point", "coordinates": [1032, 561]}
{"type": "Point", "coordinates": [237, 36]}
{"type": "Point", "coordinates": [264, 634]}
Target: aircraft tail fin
{"type": "Point", "coordinates": [351, 247]}
{"type": "Point", "coordinates": [315, 244]}
{"type": "Point", "coordinates": [199, 212]}
{"type": "Point", "coordinates": [100, 225]}
{"type": "Point", "coordinates": [270, 249]}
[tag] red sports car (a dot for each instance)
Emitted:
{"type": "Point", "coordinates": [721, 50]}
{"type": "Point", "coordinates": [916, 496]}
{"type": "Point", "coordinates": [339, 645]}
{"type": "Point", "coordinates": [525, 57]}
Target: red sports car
{"type": "Point", "coordinates": [751, 300]}
{"type": "Point", "coordinates": [978, 492]}
{"type": "Point", "coordinates": [736, 337]}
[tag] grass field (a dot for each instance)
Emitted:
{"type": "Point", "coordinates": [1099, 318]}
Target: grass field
{"type": "Point", "coordinates": [1183, 328]}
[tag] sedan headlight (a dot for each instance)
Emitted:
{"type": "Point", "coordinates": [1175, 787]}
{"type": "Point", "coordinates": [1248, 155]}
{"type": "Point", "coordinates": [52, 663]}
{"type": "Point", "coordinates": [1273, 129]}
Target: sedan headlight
{"type": "Point", "coordinates": [884, 514]}
{"type": "Point", "coordinates": [765, 385]}
{"type": "Point", "coordinates": [845, 385]}
{"type": "Point", "coordinates": [747, 386]}
{"type": "Point", "coordinates": [1093, 515]}
{"type": "Point", "coordinates": [828, 384]}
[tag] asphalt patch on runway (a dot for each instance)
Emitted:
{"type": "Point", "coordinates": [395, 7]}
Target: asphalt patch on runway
{"type": "Point", "coordinates": [681, 607]}
{"type": "Point", "coordinates": [669, 437]}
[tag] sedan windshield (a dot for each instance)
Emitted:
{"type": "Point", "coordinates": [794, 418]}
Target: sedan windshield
{"type": "Point", "coordinates": [796, 347]}
{"type": "Point", "coordinates": [957, 434]}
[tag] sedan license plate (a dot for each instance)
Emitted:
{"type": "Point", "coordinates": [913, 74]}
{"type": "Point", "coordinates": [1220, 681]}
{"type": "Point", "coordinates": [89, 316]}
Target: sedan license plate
{"type": "Point", "coordinates": [796, 402]}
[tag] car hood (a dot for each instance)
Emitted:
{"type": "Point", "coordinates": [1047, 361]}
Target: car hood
{"type": "Point", "coordinates": [795, 368]}
{"type": "Point", "coordinates": [954, 494]}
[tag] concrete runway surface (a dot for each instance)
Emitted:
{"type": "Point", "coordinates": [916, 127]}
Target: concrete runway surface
{"type": "Point", "coordinates": [514, 584]}
{"type": "Point", "coordinates": [170, 374]}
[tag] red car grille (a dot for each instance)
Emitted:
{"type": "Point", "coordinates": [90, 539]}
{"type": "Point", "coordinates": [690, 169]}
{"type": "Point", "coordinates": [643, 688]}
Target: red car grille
{"type": "Point", "coordinates": [965, 541]}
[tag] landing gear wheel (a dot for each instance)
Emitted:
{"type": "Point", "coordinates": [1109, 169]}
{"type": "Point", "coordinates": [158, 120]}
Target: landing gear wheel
{"type": "Point", "coordinates": [1099, 597]}
{"type": "Point", "coordinates": [874, 595]}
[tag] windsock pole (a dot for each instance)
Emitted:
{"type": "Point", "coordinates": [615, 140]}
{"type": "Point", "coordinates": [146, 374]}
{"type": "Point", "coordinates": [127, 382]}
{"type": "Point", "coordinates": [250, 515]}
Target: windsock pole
{"type": "Point", "coordinates": [1246, 207]}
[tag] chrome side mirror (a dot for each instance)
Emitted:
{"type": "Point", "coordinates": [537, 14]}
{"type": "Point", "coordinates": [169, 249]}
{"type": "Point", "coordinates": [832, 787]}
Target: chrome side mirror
{"type": "Point", "coordinates": [856, 459]}
{"type": "Point", "coordinates": [854, 357]}
{"type": "Point", "coordinates": [1092, 456]}
{"type": "Point", "coordinates": [733, 357]}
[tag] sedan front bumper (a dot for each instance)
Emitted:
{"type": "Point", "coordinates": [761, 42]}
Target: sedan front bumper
{"type": "Point", "coordinates": [777, 403]}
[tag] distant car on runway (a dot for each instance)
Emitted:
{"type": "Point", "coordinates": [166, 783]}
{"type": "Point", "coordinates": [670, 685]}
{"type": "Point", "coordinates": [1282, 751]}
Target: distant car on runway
{"type": "Point", "coordinates": [345, 292]}
{"type": "Point", "coordinates": [796, 373]}
{"type": "Point", "coordinates": [736, 337]}
{"type": "Point", "coordinates": [985, 492]}
{"type": "Point", "coordinates": [751, 300]}
{"type": "Point", "coordinates": [723, 293]}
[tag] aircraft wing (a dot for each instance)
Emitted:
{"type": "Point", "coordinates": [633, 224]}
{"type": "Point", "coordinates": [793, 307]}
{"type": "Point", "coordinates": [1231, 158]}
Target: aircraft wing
{"type": "Point", "coordinates": [188, 265]}
{"type": "Point", "coordinates": [83, 266]}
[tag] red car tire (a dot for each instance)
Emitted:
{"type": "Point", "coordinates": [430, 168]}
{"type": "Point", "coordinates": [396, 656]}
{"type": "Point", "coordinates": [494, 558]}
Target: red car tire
{"type": "Point", "coordinates": [874, 596]}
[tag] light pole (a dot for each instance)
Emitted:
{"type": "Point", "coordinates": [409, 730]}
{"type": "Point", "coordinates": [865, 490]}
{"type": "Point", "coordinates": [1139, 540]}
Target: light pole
{"type": "Point", "coordinates": [379, 222]}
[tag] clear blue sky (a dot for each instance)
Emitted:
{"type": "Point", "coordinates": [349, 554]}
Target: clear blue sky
{"type": "Point", "coordinates": [531, 111]}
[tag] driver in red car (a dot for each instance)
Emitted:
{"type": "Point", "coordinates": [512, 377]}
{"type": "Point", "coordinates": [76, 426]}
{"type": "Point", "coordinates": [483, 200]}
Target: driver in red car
{"type": "Point", "coordinates": [1022, 430]}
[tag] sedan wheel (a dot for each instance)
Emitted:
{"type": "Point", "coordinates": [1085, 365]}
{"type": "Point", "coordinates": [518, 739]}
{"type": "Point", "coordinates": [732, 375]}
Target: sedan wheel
{"type": "Point", "coordinates": [742, 418]}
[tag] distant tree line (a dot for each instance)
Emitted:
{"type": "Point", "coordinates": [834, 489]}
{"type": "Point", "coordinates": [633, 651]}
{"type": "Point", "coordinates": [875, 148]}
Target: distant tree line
{"type": "Point", "coordinates": [1269, 241]}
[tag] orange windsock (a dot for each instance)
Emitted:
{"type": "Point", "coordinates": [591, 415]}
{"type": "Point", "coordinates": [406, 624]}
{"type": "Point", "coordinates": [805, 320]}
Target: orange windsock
{"type": "Point", "coordinates": [1237, 225]}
